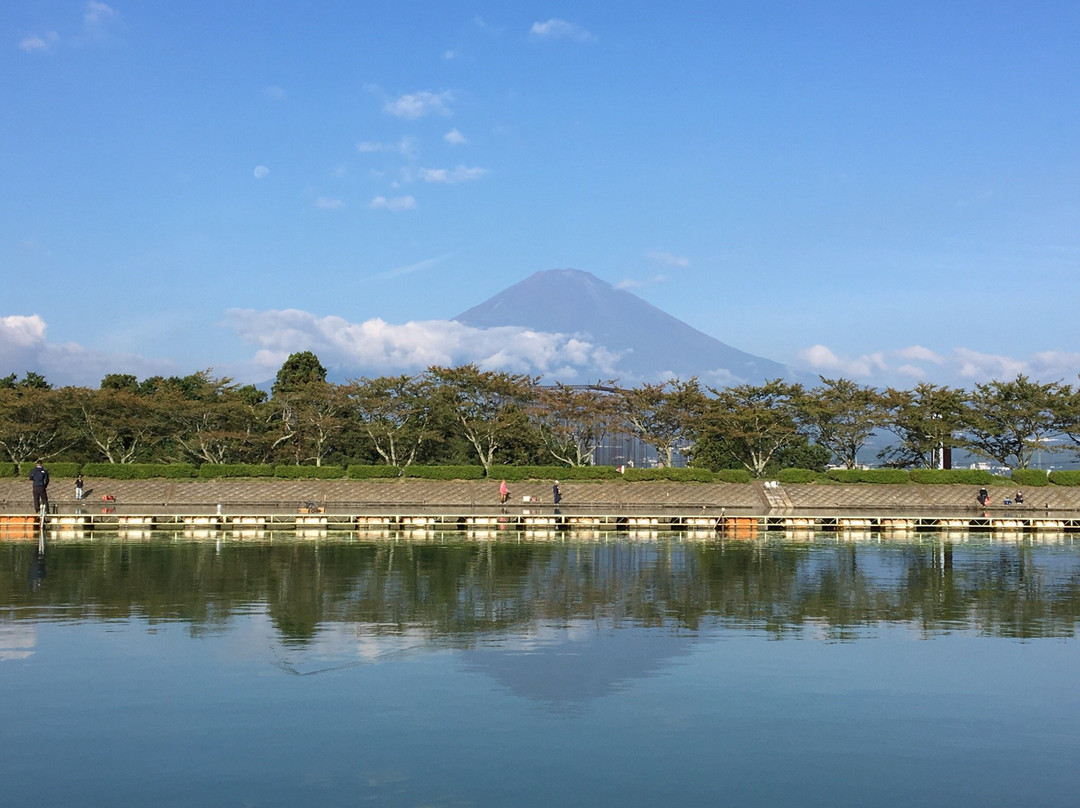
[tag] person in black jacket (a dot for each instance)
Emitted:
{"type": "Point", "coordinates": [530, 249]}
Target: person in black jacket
{"type": "Point", "coordinates": [39, 478]}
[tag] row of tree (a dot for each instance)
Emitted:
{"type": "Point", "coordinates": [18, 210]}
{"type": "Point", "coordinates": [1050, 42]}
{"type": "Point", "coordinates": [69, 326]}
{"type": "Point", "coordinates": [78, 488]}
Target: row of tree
{"type": "Point", "coordinates": [466, 415]}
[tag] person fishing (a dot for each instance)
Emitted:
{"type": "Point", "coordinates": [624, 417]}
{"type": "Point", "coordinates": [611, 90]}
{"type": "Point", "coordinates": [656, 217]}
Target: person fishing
{"type": "Point", "coordinates": [39, 480]}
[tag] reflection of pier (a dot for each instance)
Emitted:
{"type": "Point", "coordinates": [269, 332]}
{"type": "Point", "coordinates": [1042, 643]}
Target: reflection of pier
{"type": "Point", "coordinates": [538, 524]}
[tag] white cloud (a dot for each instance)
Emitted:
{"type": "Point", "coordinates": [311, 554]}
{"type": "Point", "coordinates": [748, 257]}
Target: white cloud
{"type": "Point", "coordinates": [406, 147]}
{"type": "Point", "coordinates": [24, 345]}
{"type": "Point", "coordinates": [329, 203]}
{"type": "Point", "coordinates": [560, 29]}
{"type": "Point", "coordinates": [98, 13]}
{"type": "Point", "coordinates": [275, 93]}
{"type": "Point", "coordinates": [397, 203]}
{"type": "Point", "coordinates": [261, 172]}
{"type": "Point", "coordinates": [981, 366]}
{"type": "Point", "coordinates": [668, 259]}
{"type": "Point", "coordinates": [455, 138]}
{"type": "Point", "coordinates": [20, 331]}
{"type": "Point", "coordinates": [451, 177]}
{"type": "Point", "coordinates": [34, 43]}
{"type": "Point", "coordinates": [416, 105]}
{"type": "Point", "coordinates": [99, 20]}
{"type": "Point", "coordinates": [918, 353]}
{"type": "Point", "coordinates": [448, 55]}
{"type": "Point", "coordinates": [960, 367]}
{"type": "Point", "coordinates": [380, 347]}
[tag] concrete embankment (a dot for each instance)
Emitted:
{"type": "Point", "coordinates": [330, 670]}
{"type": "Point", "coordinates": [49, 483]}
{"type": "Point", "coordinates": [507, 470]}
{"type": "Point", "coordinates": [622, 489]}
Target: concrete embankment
{"type": "Point", "coordinates": [344, 496]}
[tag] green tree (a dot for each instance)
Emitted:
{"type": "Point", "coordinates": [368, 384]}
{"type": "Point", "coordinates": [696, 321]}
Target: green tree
{"type": "Point", "coordinates": [841, 416]}
{"type": "Point", "coordinates": [486, 404]}
{"type": "Point", "coordinates": [926, 420]}
{"type": "Point", "coordinates": [307, 420]}
{"type": "Point", "coordinates": [394, 412]}
{"type": "Point", "coordinates": [217, 422]}
{"type": "Point", "coordinates": [299, 370]}
{"type": "Point", "coordinates": [750, 423]}
{"type": "Point", "coordinates": [117, 425]}
{"type": "Point", "coordinates": [34, 423]}
{"type": "Point", "coordinates": [664, 415]}
{"type": "Point", "coordinates": [573, 421]}
{"type": "Point", "coordinates": [120, 381]}
{"type": "Point", "coordinates": [1009, 421]}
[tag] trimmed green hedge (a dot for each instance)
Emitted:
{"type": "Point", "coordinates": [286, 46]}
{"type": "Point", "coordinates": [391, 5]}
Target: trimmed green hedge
{"type": "Point", "coordinates": [877, 476]}
{"type": "Point", "coordinates": [357, 471]}
{"type": "Point", "coordinates": [57, 471]}
{"type": "Point", "coordinates": [444, 472]}
{"type": "Point", "coordinates": [1030, 478]}
{"type": "Point", "coordinates": [213, 471]}
{"type": "Point", "coordinates": [1071, 477]}
{"type": "Point", "coordinates": [139, 471]}
{"type": "Point", "coordinates": [687, 475]}
{"type": "Point", "coordinates": [309, 472]}
{"type": "Point", "coordinates": [796, 476]}
{"type": "Point", "coordinates": [953, 477]}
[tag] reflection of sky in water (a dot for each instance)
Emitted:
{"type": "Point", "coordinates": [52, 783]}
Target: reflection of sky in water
{"type": "Point", "coordinates": [17, 640]}
{"type": "Point", "coordinates": [607, 710]}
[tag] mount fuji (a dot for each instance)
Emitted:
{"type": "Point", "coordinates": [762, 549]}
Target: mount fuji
{"type": "Point", "coordinates": [645, 344]}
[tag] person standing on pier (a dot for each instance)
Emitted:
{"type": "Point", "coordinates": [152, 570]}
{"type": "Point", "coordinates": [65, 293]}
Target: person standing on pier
{"type": "Point", "coordinates": [556, 494]}
{"type": "Point", "coordinates": [39, 479]}
{"type": "Point", "coordinates": [79, 486]}
{"type": "Point", "coordinates": [504, 492]}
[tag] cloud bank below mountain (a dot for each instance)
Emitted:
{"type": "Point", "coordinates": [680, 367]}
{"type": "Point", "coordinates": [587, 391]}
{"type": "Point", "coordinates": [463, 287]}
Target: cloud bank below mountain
{"type": "Point", "coordinates": [375, 347]}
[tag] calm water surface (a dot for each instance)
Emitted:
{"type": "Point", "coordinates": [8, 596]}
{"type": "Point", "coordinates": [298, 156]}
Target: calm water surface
{"type": "Point", "coordinates": [354, 671]}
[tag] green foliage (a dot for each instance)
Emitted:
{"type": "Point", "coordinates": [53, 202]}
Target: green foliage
{"type": "Point", "coordinates": [58, 471]}
{"type": "Point", "coordinates": [877, 476]}
{"type": "Point", "coordinates": [34, 381]}
{"type": "Point", "coordinates": [952, 477]}
{"type": "Point", "coordinates": [1030, 478]}
{"type": "Point", "coordinates": [9, 470]}
{"type": "Point", "coordinates": [795, 476]}
{"type": "Point", "coordinates": [1071, 477]}
{"type": "Point", "coordinates": [444, 472]}
{"type": "Point", "coordinates": [309, 472]}
{"type": "Point", "coordinates": [841, 416]}
{"type": "Point", "coordinates": [664, 415]}
{"type": "Point", "coordinates": [212, 471]}
{"type": "Point", "coordinates": [298, 371]}
{"type": "Point", "coordinates": [748, 426]}
{"type": "Point", "coordinates": [138, 471]}
{"type": "Point", "coordinates": [356, 471]}
{"type": "Point", "coordinates": [669, 474]}
{"type": "Point", "coordinates": [1010, 421]}
{"type": "Point", "coordinates": [803, 455]}
{"type": "Point", "coordinates": [120, 381]}
{"type": "Point", "coordinates": [732, 476]}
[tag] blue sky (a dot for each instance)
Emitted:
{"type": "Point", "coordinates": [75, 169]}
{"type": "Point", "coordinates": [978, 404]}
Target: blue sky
{"type": "Point", "coordinates": [883, 191]}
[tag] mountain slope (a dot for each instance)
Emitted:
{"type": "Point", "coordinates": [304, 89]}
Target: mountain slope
{"type": "Point", "coordinates": [652, 343]}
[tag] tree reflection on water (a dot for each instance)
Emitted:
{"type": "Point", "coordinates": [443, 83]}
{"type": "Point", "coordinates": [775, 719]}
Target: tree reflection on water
{"type": "Point", "coordinates": [458, 592]}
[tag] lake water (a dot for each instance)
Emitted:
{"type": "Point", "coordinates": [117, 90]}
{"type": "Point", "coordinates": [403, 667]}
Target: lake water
{"type": "Point", "coordinates": [443, 672]}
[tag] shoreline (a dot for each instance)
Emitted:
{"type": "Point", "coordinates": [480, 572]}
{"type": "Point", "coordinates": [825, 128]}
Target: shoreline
{"type": "Point", "coordinates": [468, 496]}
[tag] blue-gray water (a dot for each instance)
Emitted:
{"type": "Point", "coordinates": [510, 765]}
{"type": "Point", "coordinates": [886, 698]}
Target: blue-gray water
{"type": "Point", "coordinates": [450, 673]}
